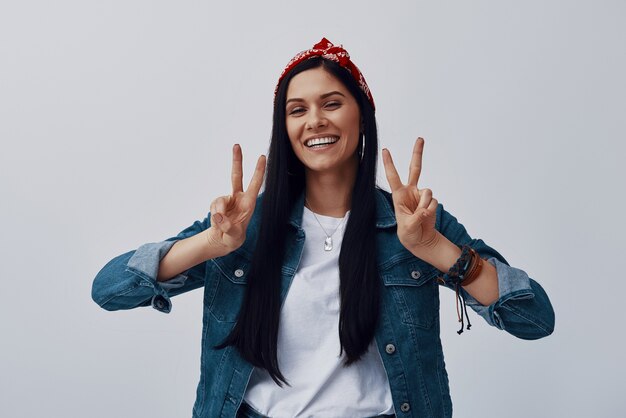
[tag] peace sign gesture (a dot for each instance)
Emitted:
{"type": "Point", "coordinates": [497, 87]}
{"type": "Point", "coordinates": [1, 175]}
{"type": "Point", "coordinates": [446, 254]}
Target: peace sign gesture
{"type": "Point", "coordinates": [415, 209]}
{"type": "Point", "coordinates": [230, 215]}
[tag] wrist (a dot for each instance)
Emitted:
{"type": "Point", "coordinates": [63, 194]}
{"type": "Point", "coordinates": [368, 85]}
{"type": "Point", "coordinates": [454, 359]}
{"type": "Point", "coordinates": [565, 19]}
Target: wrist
{"type": "Point", "coordinates": [441, 254]}
{"type": "Point", "coordinates": [215, 246]}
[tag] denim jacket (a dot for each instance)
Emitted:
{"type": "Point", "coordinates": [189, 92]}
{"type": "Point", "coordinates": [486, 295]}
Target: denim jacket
{"type": "Point", "coordinates": [407, 336]}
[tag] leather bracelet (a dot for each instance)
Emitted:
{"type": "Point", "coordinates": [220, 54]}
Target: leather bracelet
{"type": "Point", "coordinates": [474, 270]}
{"type": "Point", "coordinates": [465, 270]}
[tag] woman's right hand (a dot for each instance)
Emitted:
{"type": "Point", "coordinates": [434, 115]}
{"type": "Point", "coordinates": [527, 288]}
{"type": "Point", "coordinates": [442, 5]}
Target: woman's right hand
{"type": "Point", "coordinates": [230, 215]}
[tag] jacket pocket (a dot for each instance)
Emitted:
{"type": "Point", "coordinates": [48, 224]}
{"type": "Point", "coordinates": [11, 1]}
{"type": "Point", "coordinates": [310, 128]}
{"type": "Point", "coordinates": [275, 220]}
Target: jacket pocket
{"type": "Point", "coordinates": [411, 288]}
{"type": "Point", "coordinates": [228, 286]}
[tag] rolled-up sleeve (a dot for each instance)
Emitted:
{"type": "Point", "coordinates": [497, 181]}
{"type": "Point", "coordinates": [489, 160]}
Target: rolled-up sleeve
{"type": "Point", "coordinates": [130, 279]}
{"type": "Point", "coordinates": [523, 308]}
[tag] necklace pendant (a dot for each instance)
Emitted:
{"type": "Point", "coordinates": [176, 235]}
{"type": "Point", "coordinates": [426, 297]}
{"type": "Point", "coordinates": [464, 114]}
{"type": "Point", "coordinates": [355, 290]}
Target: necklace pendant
{"type": "Point", "coordinates": [328, 244]}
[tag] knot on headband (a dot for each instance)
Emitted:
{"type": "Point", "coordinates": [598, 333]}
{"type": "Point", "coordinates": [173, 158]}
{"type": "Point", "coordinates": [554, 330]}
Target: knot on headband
{"type": "Point", "coordinates": [336, 53]}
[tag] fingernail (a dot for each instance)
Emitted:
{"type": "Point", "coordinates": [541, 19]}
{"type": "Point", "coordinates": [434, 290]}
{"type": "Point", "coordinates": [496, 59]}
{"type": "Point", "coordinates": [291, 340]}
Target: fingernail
{"type": "Point", "coordinates": [218, 218]}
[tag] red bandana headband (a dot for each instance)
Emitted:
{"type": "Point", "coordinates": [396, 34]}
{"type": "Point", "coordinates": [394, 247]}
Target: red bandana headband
{"type": "Point", "coordinates": [326, 49]}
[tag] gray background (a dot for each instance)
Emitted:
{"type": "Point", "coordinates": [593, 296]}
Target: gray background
{"type": "Point", "coordinates": [117, 121]}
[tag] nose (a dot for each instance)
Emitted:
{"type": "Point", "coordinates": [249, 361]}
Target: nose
{"type": "Point", "coordinates": [315, 119]}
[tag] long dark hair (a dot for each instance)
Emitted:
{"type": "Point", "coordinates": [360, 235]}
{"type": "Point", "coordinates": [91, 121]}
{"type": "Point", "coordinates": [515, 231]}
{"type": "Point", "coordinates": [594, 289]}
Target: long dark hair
{"type": "Point", "coordinates": [255, 334]}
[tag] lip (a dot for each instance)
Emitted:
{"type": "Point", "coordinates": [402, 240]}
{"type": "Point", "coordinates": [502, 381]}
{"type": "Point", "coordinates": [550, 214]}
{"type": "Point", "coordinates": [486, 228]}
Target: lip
{"type": "Point", "coordinates": [323, 148]}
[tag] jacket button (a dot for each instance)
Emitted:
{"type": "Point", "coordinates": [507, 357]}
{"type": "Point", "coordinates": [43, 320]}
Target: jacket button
{"type": "Point", "coordinates": [390, 348]}
{"type": "Point", "coordinates": [416, 274]}
{"type": "Point", "coordinates": [405, 407]}
{"type": "Point", "coordinates": [160, 304]}
{"type": "Point", "coordinates": [239, 272]}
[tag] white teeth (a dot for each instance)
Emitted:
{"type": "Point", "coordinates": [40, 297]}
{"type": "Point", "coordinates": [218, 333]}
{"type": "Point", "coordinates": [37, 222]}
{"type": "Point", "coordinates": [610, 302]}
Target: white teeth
{"type": "Point", "coordinates": [321, 141]}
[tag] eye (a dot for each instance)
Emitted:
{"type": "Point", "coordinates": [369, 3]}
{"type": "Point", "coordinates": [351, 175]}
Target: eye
{"type": "Point", "coordinates": [333, 105]}
{"type": "Point", "coordinates": [296, 110]}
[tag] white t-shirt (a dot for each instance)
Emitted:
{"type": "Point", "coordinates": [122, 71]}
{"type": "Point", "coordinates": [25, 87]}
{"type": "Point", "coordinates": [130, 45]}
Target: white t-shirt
{"type": "Point", "coordinates": [308, 344]}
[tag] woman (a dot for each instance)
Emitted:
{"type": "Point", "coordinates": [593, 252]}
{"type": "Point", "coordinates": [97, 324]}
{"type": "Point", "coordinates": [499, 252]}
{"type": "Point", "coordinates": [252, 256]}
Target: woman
{"type": "Point", "coordinates": [321, 294]}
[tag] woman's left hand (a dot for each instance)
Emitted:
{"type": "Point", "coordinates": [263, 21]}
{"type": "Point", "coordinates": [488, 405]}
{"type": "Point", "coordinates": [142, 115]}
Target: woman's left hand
{"type": "Point", "coordinates": [415, 209]}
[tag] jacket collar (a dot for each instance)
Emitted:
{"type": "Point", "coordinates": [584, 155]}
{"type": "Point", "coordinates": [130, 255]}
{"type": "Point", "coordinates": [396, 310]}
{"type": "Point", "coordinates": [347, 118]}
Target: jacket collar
{"type": "Point", "coordinates": [385, 216]}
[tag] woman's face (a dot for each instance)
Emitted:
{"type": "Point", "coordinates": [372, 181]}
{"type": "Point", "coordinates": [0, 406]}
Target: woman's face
{"type": "Point", "coordinates": [323, 121]}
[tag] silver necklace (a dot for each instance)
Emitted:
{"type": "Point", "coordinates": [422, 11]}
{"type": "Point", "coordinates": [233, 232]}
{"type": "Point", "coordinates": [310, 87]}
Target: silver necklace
{"type": "Point", "coordinates": [328, 242]}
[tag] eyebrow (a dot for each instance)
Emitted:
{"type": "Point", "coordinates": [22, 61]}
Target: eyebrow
{"type": "Point", "coordinates": [323, 96]}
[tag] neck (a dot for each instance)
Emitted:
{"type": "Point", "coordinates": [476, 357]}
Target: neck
{"type": "Point", "coordinates": [330, 194]}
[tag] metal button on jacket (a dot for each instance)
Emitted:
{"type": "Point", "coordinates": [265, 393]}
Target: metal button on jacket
{"type": "Point", "coordinates": [405, 407]}
{"type": "Point", "coordinates": [159, 303]}
{"type": "Point", "coordinates": [416, 274]}
{"type": "Point", "coordinates": [390, 348]}
{"type": "Point", "coordinates": [239, 272]}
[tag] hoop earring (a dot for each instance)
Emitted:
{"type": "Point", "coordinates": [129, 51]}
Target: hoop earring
{"type": "Point", "coordinates": [362, 151]}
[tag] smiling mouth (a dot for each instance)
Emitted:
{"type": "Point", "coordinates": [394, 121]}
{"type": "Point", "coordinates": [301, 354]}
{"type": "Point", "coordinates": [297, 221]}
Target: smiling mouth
{"type": "Point", "coordinates": [321, 142]}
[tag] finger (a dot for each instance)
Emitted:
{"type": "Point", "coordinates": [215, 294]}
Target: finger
{"type": "Point", "coordinates": [216, 218]}
{"type": "Point", "coordinates": [390, 171]}
{"type": "Point", "coordinates": [257, 178]}
{"type": "Point", "coordinates": [426, 196]}
{"type": "Point", "coordinates": [237, 170]}
{"type": "Point", "coordinates": [432, 207]}
{"type": "Point", "coordinates": [225, 224]}
{"type": "Point", "coordinates": [429, 211]}
{"type": "Point", "coordinates": [416, 161]}
{"type": "Point", "coordinates": [220, 205]}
